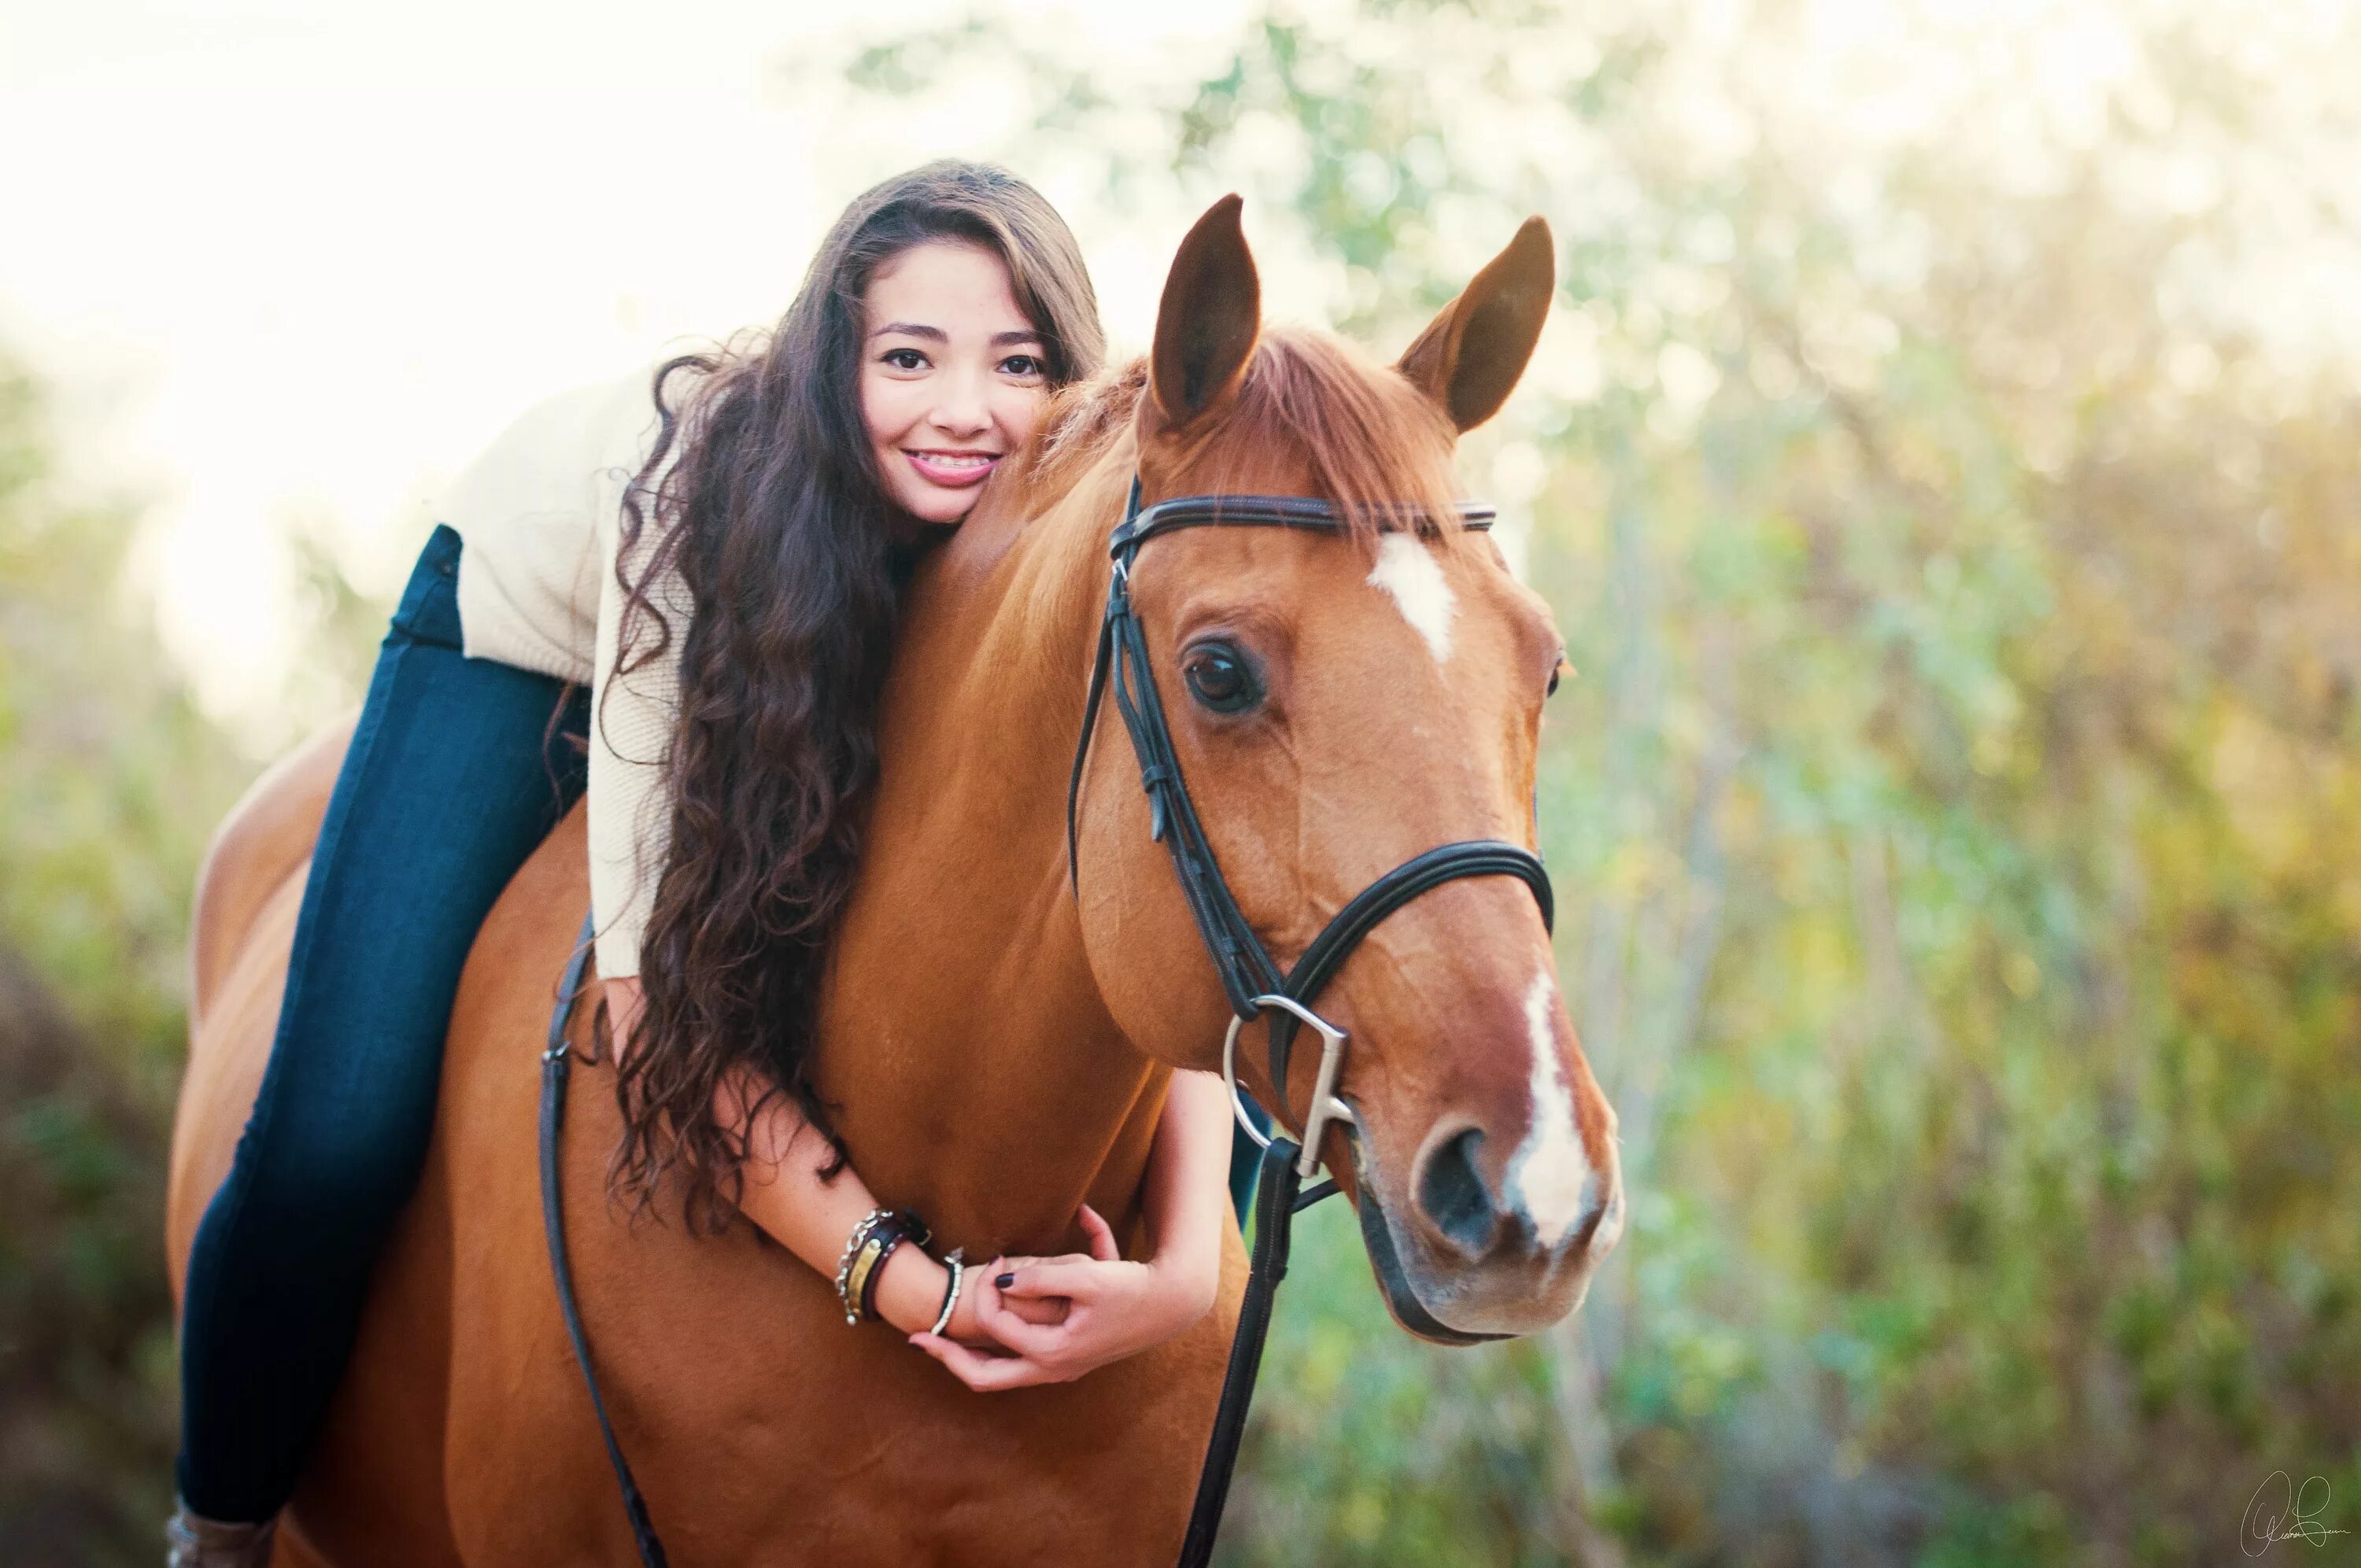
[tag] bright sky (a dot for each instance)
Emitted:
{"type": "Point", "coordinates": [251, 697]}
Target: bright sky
{"type": "Point", "coordinates": [286, 263]}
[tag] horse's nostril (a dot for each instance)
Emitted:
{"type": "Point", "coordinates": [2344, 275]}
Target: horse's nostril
{"type": "Point", "coordinates": [1452, 1193]}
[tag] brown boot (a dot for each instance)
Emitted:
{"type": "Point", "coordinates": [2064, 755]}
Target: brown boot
{"type": "Point", "coordinates": [200, 1543]}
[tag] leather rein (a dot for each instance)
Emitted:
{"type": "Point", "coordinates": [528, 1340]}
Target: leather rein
{"type": "Point", "coordinates": [1251, 979]}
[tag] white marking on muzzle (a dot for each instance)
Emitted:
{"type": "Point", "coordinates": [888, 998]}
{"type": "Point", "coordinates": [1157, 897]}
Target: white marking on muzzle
{"type": "Point", "coordinates": [1550, 1171]}
{"type": "Point", "coordinates": [1409, 571]}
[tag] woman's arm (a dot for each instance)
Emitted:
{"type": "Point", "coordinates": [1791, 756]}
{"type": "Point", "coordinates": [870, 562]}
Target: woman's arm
{"type": "Point", "coordinates": [632, 715]}
{"type": "Point", "coordinates": [1189, 1188]}
{"type": "Point", "coordinates": [1114, 1309]}
{"type": "Point", "coordinates": [783, 1194]}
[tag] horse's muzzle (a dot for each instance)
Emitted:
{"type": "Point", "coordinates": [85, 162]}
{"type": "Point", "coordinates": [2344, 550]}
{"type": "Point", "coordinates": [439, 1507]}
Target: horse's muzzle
{"type": "Point", "coordinates": [1463, 1265]}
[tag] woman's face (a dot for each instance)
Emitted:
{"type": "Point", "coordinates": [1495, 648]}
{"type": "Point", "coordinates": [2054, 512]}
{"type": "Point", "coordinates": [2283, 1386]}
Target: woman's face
{"type": "Point", "coordinates": [953, 376]}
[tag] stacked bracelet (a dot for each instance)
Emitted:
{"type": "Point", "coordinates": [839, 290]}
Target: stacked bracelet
{"type": "Point", "coordinates": [882, 1242]}
{"type": "Point", "coordinates": [872, 1243]}
{"type": "Point", "coordinates": [844, 1264]}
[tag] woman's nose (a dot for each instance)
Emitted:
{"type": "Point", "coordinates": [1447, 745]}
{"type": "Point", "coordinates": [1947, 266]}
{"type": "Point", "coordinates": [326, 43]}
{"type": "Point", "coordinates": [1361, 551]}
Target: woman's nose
{"type": "Point", "coordinates": [961, 411]}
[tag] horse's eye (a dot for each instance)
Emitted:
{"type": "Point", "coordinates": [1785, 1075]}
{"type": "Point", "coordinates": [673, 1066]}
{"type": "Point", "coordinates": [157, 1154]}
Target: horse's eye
{"type": "Point", "coordinates": [1220, 677]}
{"type": "Point", "coordinates": [1555, 670]}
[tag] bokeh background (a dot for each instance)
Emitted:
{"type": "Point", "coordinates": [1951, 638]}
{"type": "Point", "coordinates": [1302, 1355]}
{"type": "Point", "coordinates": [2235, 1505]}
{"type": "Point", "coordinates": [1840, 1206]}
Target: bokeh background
{"type": "Point", "coordinates": [1944, 461]}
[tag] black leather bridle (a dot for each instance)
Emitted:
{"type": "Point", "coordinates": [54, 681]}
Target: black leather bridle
{"type": "Point", "coordinates": [1251, 979]}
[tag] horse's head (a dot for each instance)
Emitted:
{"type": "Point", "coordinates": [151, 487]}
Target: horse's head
{"type": "Point", "coordinates": [1339, 705]}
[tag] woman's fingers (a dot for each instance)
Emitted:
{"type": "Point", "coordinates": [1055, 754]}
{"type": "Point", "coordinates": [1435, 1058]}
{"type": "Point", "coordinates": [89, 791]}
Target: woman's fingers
{"type": "Point", "coordinates": [1047, 1312]}
{"type": "Point", "coordinates": [1038, 1341]}
{"type": "Point", "coordinates": [1058, 1277]}
{"type": "Point", "coordinates": [983, 1297]}
{"type": "Point", "coordinates": [1102, 1236]}
{"type": "Point", "coordinates": [985, 1374]}
{"type": "Point", "coordinates": [967, 1366]}
{"type": "Point", "coordinates": [1006, 1264]}
{"type": "Point", "coordinates": [1011, 1321]}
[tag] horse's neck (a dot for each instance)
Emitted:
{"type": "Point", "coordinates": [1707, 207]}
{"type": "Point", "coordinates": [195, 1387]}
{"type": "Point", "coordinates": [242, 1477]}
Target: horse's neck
{"type": "Point", "coordinates": [978, 1075]}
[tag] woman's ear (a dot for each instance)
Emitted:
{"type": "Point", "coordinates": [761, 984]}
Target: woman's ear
{"type": "Point", "coordinates": [1210, 317]}
{"type": "Point", "coordinates": [1469, 358]}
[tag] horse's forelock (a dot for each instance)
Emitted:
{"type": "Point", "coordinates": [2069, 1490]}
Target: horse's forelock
{"type": "Point", "coordinates": [1370, 441]}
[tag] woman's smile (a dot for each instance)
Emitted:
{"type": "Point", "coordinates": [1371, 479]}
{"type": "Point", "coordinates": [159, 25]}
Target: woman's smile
{"type": "Point", "coordinates": [952, 470]}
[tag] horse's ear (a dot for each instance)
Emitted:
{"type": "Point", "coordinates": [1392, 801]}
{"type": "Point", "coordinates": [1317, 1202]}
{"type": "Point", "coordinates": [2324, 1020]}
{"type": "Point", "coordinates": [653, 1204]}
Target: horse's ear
{"type": "Point", "coordinates": [1211, 315]}
{"type": "Point", "coordinates": [1469, 358]}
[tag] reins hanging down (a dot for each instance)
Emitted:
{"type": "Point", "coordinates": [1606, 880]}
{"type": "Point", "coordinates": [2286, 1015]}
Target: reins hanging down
{"type": "Point", "coordinates": [554, 1065]}
{"type": "Point", "coordinates": [1251, 979]}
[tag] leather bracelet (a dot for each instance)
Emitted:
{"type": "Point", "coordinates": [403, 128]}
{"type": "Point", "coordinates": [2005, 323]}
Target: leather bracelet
{"type": "Point", "coordinates": [878, 1233]}
{"type": "Point", "coordinates": [956, 1261]}
{"type": "Point", "coordinates": [884, 1240]}
{"type": "Point", "coordinates": [852, 1246]}
{"type": "Point", "coordinates": [856, 1283]}
{"type": "Point", "coordinates": [880, 1240]}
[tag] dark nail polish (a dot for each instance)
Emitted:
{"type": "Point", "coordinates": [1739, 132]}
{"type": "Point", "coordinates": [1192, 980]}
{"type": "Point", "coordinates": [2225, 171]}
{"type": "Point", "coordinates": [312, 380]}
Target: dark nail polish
{"type": "Point", "coordinates": [1004, 1281]}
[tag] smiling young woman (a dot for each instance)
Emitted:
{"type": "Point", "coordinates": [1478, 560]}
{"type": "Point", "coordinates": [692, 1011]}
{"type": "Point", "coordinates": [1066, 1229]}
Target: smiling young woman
{"type": "Point", "coordinates": [721, 567]}
{"type": "Point", "coordinates": [946, 402]}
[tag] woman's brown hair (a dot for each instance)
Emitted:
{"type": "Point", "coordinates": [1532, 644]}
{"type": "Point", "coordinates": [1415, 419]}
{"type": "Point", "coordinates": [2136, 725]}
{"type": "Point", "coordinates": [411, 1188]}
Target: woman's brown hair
{"type": "Point", "coordinates": [763, 492]}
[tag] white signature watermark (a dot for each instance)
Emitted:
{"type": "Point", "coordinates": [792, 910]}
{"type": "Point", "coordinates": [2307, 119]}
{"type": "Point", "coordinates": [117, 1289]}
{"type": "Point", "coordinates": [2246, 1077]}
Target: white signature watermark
{"type": "Point", "coordinates": [2281, 1510]}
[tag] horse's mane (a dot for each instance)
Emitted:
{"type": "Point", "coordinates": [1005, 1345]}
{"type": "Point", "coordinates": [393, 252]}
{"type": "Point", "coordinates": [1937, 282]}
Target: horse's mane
{"type": "Point", "coordinates": [1370, 442]}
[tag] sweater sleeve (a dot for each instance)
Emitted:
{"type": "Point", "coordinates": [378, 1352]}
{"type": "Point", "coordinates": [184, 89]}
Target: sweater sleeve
{"type": "Point", "coordinates": [633, 713]}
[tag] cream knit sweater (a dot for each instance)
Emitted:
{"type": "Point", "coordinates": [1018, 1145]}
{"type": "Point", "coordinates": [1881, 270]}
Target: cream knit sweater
{"type": "Point", "coordinates": [540, 515]}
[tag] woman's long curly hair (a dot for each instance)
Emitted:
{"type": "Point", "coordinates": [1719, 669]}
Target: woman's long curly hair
{"type": "Point", "coordinates": [762, 492]}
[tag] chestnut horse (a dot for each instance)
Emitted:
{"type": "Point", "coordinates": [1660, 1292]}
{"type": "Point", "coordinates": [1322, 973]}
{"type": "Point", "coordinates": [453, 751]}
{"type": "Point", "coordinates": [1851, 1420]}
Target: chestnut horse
{"type": "Point", "coordinates": [1000, 1041]}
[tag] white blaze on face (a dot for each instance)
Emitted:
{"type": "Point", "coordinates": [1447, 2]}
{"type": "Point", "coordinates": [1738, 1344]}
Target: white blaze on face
{"type": "Point", "coordinates": [1409, 571]}
{"type": "Point", "coordinates": [1550, 1171]}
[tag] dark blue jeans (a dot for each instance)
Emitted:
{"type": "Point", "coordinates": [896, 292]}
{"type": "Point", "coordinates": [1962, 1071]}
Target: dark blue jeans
{"type": "Point", "coordinates": [458, 770]}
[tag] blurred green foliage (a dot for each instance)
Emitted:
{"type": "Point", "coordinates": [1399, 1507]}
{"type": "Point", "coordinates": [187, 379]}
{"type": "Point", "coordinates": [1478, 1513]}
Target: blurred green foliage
{"type": "Point", "coordinates": [112, 782]}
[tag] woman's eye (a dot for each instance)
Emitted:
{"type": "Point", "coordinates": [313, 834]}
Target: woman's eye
{"type": "Point", "coordinates": [905, 359]}
{"type": "Point", "coordinates": [1219, 677]}
{"type": "Point", "coordinates": [1022, 365]}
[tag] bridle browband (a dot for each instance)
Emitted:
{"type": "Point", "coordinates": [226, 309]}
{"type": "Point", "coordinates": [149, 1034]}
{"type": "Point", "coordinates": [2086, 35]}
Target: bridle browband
{"type": "Point", "coordinates": [1251, 979]}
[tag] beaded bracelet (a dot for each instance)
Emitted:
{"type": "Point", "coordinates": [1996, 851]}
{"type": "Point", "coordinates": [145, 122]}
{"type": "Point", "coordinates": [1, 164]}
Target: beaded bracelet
{"type": "Point", "coordinates": [956, 1261]}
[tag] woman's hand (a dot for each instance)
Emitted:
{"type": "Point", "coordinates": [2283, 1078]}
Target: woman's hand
{"type": "Point", "coordinates": [1062, 1317]}
{"type": "Point", "coordinates": [910, 1295]}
